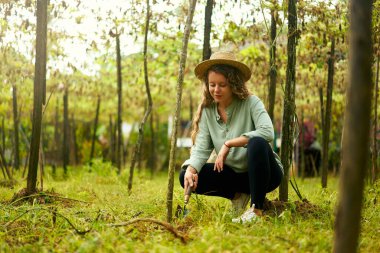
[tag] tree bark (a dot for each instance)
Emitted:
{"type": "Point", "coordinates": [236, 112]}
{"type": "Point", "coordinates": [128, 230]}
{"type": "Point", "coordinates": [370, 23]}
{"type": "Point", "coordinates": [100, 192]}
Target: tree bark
{"type": "Point", "coordinates": [289, 103]}
{"type": "Point", "coordinates": [374, 152]}
{"type": "Point", "coordinates": [15, 126]}
{"type": "Point", "coordinates": [173, 141]}
{"type": "Point", "coordinates": [38, 96]}
{"type": "Point", "coordinates": [273, 66]}
{"type": "Point", "coordinates": [327, 116]}
{"type": "Point", "coordinates": [355, 136]}
{"type": "Point", "coordinates": [66, 145]}
{"type": "Point", "coordinates": [95, 128]}
{"type": "Point", "coordinates": [137, 150]}
{"type": "Point", "coordinates": [207, 30]}
{"type": "Point", "coordinates": [119, 141]}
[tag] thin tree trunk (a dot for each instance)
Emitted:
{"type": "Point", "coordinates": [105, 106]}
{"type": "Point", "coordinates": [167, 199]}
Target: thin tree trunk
{"type": "Point", "coordinates": [302, 147]}
{"type": "Point", "coordinates": [42, 164]}
{"type": "Point", "coordinates": [16, 135]}
{"type": "Point", "coordinates": [320, 90]}
{"type": "Point", "coordinates": [153, 156]}
{"type": "Point", "coordinates": [3, 132]}
{"type": "Point", "coordinates": [119, 142]}
{"type": "Point", "coordinates": [327, 116]}
{"type": "Point", "coordinates": [57, 141]}
{"type": "Point", "coordinates": [66, 146]}
{"type": "Point", "coordinates": [289, 103]}
{"type": "Point", "coordinates": [38, 100]}
{"type": "Point", "coordinates": [95, 128]}
{"type": "Point", "coordinates": [374, 152]}
{"type": "Point", "coordinates": [74, 130]}
{"type": "Point", "coordinates": [173, 141]}
{"type": "Point", "coordinates": [112, 141]}
{"type": "Point", "coordinates": [4, 164]}
{"type": "Point", "coordinates": [207, 30]}
{"type": "Point", "coordinates": [273, 66]}
{"type": "Point", "coordinates": [356, 136]}
{"type": "Point", "coordinates": [137, 152]}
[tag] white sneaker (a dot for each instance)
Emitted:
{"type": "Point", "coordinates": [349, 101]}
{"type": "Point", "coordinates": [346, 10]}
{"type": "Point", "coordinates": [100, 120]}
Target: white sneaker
{"type": "Point", "coordinates": [247, 216]}
{"type": "Point", "coordinates": [239, 204]}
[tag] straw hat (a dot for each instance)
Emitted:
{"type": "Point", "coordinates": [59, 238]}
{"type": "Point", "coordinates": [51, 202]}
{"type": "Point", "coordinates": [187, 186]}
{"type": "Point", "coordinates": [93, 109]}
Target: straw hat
{"type": "Point", "coordinates": [227, 58]}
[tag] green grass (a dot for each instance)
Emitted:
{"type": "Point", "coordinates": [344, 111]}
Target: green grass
{"type": "Point", "coordinates": [208, 227]}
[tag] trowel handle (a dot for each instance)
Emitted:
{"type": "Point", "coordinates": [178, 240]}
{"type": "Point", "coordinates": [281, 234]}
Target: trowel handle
{"type": "Point", "coordinates": [187, 194]}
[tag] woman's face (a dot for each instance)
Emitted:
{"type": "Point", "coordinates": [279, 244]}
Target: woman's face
{"type": "Point", "coordinates": [219, 88]}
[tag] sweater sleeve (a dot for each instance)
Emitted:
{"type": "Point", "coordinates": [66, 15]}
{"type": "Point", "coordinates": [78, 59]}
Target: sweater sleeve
{"type": "Point", "coordinates": [201, 150]}
{"type": "Point", "coordinates": [261, 120]}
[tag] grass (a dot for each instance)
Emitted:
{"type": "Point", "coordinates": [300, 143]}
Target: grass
{"type": "Point", "coordinates": [104, 200]}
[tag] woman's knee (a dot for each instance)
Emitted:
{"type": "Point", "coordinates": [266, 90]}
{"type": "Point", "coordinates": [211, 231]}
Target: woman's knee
{"type": "Point", "coordinates": [257, 144]}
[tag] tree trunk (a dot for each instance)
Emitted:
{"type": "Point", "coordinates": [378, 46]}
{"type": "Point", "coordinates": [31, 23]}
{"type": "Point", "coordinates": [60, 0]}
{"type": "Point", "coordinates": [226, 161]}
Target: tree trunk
{"type": "Point", "coordinates": [41, 163]}
{"type": "Point", "coordinates": [374, 152]}
{"type": "Point", "coordinates": [38, 97]}
{"type": "Point", "coordinates": [173, 141]}
{"type": "Point", "coordinates": [57, 135]}
{"type": "Point", "coordinates": [4, 164]}
{"type": "Point", "coordinates": [302, 148]}
{"type": "Point", "coordinates": [119, 141]}
{"type": "Point", "coordinates": [3, 132]}
{"type": "Point", "coordinates": [355, 136]}
{"type": "Point", "coordinates": [112, 141]}
{"type": "Point", "coordinates": [289, 103]}
{"type": "Point", "coordinates": [73, 131]}
{"type": "Point", "coordinates": [95, 128]}
{"type": "Point", "coordinates": [16, 135]}
{"type": "Point", "coordinates": [273, 66]}
{"type": "Point", "coordinates": [153, 141]}
{"type": "Point", "coordinates": [66, 146]}
{"type": "Point", "coordinates": [327, 116]}
{"type": "Point", "coordinates": [149, 108]}
{"type": "Point", "coordinates": [207, 30]}
{"type": "Point", "coordinates": [320, 90]}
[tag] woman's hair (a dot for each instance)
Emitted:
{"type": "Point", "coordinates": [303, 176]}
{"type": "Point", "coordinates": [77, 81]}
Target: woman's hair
{"type": "Point", "coordinates": [235, 81]}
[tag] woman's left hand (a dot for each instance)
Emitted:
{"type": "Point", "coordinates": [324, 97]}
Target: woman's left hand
{"type": "Point", "coordinates": [219, 162]}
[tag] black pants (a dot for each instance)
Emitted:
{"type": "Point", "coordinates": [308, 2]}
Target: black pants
{"type": "Point", "coordinates": [263, 175]}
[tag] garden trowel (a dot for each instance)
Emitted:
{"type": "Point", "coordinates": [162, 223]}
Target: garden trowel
{"type": "Point", "coordinates": [183, 212]}
{"type": "Point", "coordinates": [187, 198]}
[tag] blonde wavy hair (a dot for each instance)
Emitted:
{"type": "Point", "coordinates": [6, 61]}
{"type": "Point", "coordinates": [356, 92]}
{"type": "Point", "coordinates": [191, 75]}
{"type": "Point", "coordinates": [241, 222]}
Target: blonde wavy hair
{"type": "Point", "coordinates": [234, 79]}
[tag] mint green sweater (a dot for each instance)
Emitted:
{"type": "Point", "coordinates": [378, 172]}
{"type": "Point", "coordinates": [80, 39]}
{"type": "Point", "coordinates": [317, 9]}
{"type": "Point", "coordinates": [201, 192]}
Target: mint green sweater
{"type": "Point", "coordinates": [244, 118]}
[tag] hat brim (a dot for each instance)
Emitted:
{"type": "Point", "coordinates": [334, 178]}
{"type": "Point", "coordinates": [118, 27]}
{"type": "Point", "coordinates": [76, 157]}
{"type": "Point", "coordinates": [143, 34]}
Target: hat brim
{"type": "Point", "coordinates": [202, 67]}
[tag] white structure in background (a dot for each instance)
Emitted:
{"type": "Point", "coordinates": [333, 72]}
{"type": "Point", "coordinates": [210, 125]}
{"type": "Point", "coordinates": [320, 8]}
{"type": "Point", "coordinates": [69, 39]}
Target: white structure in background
{"type": "Point", "coordinates": [182, 142]}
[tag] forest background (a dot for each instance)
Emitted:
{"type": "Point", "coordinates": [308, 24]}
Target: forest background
{"type": "Point", "coordinates": [82, 80]}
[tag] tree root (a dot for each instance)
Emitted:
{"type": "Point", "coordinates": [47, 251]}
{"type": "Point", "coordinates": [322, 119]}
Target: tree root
{"type": "Point", "coordinates": [166, 225]}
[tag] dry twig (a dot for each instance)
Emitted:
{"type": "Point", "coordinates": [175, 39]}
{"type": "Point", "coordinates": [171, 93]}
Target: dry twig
{"type": "Point", "coordinates": [166, 225]}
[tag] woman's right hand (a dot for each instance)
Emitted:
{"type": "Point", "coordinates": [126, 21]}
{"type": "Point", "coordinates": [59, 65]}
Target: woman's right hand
{"type": "Point", "coordinates": [191, 178]}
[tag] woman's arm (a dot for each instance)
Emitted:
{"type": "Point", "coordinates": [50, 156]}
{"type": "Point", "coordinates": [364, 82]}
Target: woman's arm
{"type": "Point", "coordinates": [236, 142]}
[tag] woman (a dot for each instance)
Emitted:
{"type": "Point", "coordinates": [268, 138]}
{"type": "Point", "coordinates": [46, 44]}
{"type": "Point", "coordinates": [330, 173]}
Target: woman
{"type": "Point", "coordinates": [236, 125]}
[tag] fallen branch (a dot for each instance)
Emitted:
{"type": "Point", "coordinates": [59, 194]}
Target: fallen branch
{"type": "Point", "coordinates": [166, 225]}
